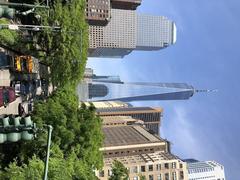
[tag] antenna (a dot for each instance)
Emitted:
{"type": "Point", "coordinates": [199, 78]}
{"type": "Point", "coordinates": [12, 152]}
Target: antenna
{"type": "Point", "coordinates": [206, 90]}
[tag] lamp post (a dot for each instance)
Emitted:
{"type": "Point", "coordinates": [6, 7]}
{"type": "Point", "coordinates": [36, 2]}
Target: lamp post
{"type": "Point", "coordinates": [50, 128]}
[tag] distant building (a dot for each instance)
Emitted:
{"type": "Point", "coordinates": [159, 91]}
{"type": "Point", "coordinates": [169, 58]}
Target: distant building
{"type": "Point", "coordinates": [141, 152]}
{"type": "Point", "coordinates": [150, 116]}
{"type": "Point", "coordinates": [98, 12]}
{"type": "Point", "coordinates": [125, 4]}
{"type": "Point", "coordinates": [128, 31]}
{"type": "Point", "coordinates": [117, 38]}
{"type": "Point", "coordinates": [207, 170]}
{"type": "Point", "coordinates": [108, 104]}
{"type": "Point", "coordinates": [111, 90]}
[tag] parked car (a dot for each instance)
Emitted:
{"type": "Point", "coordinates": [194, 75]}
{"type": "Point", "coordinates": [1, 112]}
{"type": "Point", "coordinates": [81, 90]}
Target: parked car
{"type": "Point", "coordinates": [7, 95]}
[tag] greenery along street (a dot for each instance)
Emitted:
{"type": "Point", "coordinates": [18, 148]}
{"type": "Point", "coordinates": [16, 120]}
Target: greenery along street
{"type": "Point", "coordinates": [77, 134]}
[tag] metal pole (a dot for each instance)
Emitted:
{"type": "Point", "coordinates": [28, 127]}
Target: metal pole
{"type": "Point", "coordinates": [50, 128]}
{"type": "Point", "coordinates": [22, 5]}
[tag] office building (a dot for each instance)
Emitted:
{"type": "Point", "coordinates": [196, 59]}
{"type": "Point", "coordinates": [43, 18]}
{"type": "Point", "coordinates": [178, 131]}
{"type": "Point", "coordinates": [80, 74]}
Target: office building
{"type": "Point", "coordinates": [98, 12]}
{"type": "Point", "coordinates": [207, 170]}
{"type": "Point", "coordinates": [117, 38]}
{"type": "Point", "coordinates": [140, 151]}
{"type": "Point", "coordinates": [125, 4]}
{"type": "Point", "coordinates": [128, 31]}
{"type": "Point", "coordinates": [125, 140]}
{"type": "Point", "coordinates": [127, 92]}
{"type": "Point", "coordinates": [150, 116]}
{"type": "Point", "coordinates": [153, 166]}
{"type": "Point", "coordinates": [154, 32]}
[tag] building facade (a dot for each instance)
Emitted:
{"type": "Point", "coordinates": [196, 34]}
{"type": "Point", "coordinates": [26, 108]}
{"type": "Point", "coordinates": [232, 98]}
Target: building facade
{"type": "Point", "coordinates": [125, 4]}
{"type": "Point", "coordinates": [98, 12]}
{"type": "Point", "coordinates": [117, 38]}
{"type": "Point", "coordinates": [127, 92]}
{"type": "Point", "coordinates": [207, 170]}
{"type": "Point", "coordinates": [128, 31]}
{"type": "Point", "coordinates": [108, 104]}
{"type": "Point", "coordinates": [140, 151]}
{"type": "Point", "coordinates": [150, 116]}
{"type": "Point", "coordinates": [154, 32]}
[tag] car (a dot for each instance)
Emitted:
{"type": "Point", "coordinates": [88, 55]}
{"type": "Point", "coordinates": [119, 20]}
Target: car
{"type": "Point", "coordinates": [7, 95]}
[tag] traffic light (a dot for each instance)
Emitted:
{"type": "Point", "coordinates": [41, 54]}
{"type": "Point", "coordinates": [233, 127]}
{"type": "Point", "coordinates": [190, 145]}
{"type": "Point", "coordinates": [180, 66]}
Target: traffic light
{"type": "Point", "coordinates": [15, 128]}
{"type": "Point", "coordinates": [7, 12]}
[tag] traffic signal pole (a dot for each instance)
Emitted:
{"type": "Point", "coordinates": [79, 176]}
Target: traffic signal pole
{"type": "Point", "coordinates": [50, 128]}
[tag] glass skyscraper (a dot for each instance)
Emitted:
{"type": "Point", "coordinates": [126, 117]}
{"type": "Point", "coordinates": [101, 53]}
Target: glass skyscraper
{"type": "Point", "coordinates": [108, 89]}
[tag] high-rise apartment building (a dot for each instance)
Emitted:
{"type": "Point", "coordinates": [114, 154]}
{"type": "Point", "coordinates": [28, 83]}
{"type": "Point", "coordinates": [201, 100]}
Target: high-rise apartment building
{"type": "Point", "coordinates": [140, 151]}
{"type": "Point", "coordinates": [207, 170]}
{"type": "Point", "coordinates": [150, 116]}
{"type": "Point", "coordinates": [125, 4]}
{"type": "Point", "coordinates": [98, 12]}
{"type": "Point", "coordinates": [128, 31]}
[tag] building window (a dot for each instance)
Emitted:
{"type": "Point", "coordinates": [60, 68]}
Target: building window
{"type": "Point", "coordinates": [151, 177]}
{"type": "Point", "coordinates": [135, 178]}
{"type": "Point", "coordinates": [158, 167]}
{"type": "Point", "coordinates": [143, 169]}
{"type": "Point", "coordinates": [166, 166]}
{"type": "Point", "coordinates": [166, 176]}
{"type": "Point", "coordinates": [101, 173]}
{"type": "Point", "coordinates": [181, 175]}
{"type": "Point", "coordinates": [109, 172]}
{"type": "Point", "coordinates": [174, 176]}
{"type": "Point", "coordinates": [159, 177]}
{"type": "Point", "coordinates": [174, 165]}
{"type": "Point", "coordinates": [134, 169]}
{"type": "Point", "coordinates": [150, 167]}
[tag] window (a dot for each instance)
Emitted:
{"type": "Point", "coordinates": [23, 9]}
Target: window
{"type": "Point", "coordinates": [135, 178]}
{"type": "Point", "coordinates": [109, 172]}
{"type": "Point", "coordinates": [166, 176]}
{"type": "Point", "coordinates": [101, 173]}
{"type": "Point", "coordinates": [174, 176]}
{"type": "Point", "coordinates": [166, 166]}
{"type": "Point", "coordinates": [158, 167]}
{"type": "Point", "coordinates": [159, 177]}
{"type": "Point", "coordinates": [134, 169]}
{"type": "Point", "coordinates": [174, 164]}
{"type": "Point", "coordinates": [151, 177]}
{"type": "Point", "coordinates": [150, 167]}
{"type": "Point", "coordinates": [143, 169]}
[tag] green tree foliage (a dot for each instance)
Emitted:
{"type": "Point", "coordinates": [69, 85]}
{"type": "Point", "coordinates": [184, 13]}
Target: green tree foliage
{"type": "Point", "coordinates": [7, 37]}
{"type": "Point", "coordinates": [119, 172]}
{"type": "Point", "coordinates": [76, 140]}
{"type": "Point", "coordinates": [66, 48]}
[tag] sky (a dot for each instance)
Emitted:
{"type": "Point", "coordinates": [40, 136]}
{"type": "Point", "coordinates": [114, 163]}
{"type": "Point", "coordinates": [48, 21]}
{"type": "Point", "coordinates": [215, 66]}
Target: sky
{"type": "Point", "coordinates": [206, 55]}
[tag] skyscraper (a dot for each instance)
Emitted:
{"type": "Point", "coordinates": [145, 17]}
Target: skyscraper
{"type": "Point", "coordinates": [128, 31]}
{"type": "Point", "coordinates": [128, 92]}
{"type": "Point", "coordinates": [208, 170]}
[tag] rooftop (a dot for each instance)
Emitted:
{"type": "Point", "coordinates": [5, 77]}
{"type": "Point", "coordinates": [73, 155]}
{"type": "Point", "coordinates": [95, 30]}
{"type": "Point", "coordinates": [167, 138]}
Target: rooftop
{"type": "Point", "coordinates": [128, 135]}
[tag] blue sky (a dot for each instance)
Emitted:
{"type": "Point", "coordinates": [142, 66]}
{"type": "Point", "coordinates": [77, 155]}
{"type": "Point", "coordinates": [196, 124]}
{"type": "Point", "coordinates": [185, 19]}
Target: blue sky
{"type": "Point", "coordinates": [206, 55]}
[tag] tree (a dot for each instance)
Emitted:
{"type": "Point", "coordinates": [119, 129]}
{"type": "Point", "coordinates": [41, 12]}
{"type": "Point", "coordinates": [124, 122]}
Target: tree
{"type": "Point", "coordinates": [119, 172]}
{"type": "Point", "coordinates": [65, 48]}
{"type": "Point", "coordinates": [7, 37]}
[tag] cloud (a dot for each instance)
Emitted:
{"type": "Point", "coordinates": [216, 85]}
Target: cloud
{"type": "Point", "coordinates": [180, 131]}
